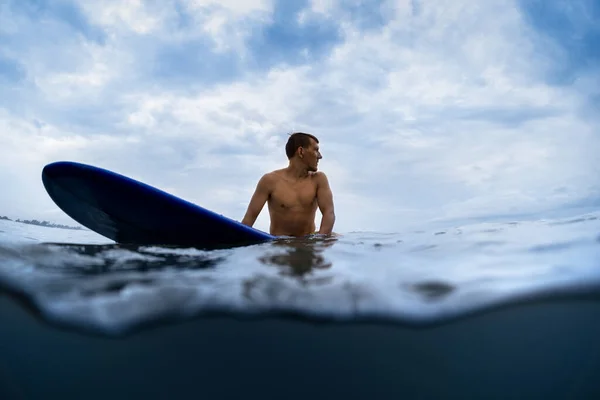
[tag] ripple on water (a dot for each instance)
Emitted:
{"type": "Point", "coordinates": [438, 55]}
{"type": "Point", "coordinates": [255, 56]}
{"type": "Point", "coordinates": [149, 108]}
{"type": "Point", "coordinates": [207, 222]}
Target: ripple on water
{"type": "Point", "coordinates": [407, 277]}
{"type": "Point", "coordinates": [570, 221]}
{"type": "Point", "coordinates": [489, 243]}
{"type": "Point", "coordinates": [552, 247]}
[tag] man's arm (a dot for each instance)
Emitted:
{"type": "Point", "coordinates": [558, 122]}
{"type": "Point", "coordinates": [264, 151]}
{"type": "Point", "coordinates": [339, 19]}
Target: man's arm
{"type": "Point", "coordinates": [325, 201]}
{"type": "Point", "coordinates": [257, 202]}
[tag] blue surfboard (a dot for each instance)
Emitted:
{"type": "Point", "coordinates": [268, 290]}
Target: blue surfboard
{"type": "Point", "coordinates": [131, 212]}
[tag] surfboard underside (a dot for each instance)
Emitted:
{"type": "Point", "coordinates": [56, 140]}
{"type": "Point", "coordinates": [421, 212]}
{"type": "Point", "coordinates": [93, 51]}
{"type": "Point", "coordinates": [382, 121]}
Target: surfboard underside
{"type": "Point", "coordinates": [130, 212]}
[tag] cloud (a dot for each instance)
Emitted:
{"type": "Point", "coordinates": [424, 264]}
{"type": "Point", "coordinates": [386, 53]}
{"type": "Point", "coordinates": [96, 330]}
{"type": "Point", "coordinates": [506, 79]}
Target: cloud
{"type": "Point", "coordinates": [568, 31]}
{"type": "Point", "coordinates": [425, 109]}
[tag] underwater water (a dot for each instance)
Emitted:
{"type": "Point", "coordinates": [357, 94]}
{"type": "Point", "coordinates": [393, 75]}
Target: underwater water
{"type": "Point", "coordinates": [404, 308]}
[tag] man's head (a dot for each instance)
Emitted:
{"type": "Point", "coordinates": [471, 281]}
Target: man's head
{"type": "Point", "coordinates": [305, 148]}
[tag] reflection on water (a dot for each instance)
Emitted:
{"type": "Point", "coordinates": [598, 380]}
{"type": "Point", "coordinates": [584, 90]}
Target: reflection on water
{"type": "Point", "coordinates": [298, 257]}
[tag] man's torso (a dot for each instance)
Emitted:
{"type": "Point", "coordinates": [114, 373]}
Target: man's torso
{"type": "Point", "coordinates": [292, 204]}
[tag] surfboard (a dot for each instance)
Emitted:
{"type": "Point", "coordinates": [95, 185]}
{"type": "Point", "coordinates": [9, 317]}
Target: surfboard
{"type": "Point", "coordinates": [128, 211]}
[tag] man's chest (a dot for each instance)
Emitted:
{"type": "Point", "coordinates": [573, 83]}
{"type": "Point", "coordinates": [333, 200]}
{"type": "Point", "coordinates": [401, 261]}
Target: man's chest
{"type": "Point", "coordinates": [286, 195]}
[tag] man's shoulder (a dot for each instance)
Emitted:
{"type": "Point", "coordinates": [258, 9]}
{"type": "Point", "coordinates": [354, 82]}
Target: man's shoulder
{"type": "Point", "coordinates": [273, 174]}
{"type": "Point", "coordinates": [269, 178]}
{"type": "Point", "coordinates": [319, 176]}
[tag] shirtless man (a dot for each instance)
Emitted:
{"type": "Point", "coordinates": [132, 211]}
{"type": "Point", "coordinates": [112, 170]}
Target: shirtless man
{"type": "Point", "coordinates": [294, 193]}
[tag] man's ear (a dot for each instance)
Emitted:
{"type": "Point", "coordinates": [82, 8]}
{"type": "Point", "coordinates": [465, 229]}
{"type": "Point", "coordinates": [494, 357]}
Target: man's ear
{"type": "Point", "coordinates": [300, 152]}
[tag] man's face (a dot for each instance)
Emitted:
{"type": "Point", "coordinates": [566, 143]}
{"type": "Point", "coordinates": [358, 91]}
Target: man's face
{"type": "Point", "coordinates": [311, 156]}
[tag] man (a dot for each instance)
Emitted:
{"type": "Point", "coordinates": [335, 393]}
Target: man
{"type": "Point", "coordinates": [294, 193]}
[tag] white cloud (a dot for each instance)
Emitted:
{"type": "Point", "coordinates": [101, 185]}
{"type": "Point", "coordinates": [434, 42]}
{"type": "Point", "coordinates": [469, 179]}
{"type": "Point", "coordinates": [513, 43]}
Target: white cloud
{"type": "Point", "coordinates": [237, 7]}
{"type": "Point", "coordinates": [132, 15]}
{"type": "Point", "coordinates": [223, 21]}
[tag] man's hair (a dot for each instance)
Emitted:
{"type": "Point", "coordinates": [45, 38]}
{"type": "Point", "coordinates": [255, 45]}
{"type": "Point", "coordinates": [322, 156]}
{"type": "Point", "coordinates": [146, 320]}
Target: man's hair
{"type": "Point", "coordinates": [298, 139]}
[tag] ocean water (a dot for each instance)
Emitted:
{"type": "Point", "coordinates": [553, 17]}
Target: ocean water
{"type": "Point", "coordinates": [81, 280]}
{"type": "Point", "coordinates": [497, 310]}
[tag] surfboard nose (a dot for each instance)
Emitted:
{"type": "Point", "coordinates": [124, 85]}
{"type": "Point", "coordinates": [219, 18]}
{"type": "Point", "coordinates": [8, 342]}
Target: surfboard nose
{"type": "Point", "coordinates": [59, 171]}
{"type": "Point", "coordinates": [60, 174]}
{"type": "Point", "coordinates": [48, 170]}
{"type": "Point", "coordinates": [51, 171]}
{"type": "Point", "coordinates": [54, 169]}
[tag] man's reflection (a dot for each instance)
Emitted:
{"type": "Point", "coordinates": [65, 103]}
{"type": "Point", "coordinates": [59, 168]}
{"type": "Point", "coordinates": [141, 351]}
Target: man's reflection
{"type": "Point", "coordinates": [298, 257]}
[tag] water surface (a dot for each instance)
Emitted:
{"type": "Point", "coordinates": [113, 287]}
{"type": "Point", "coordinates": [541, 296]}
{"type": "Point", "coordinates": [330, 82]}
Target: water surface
{"type": "Point", "coordinates": [80, 280]}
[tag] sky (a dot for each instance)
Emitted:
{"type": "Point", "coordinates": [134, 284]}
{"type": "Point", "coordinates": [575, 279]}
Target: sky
{"type": "Point", "coordinates": [426, 110]}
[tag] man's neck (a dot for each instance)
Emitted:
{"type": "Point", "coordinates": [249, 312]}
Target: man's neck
{"type": "Point", "coordinates": [297, 171]}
